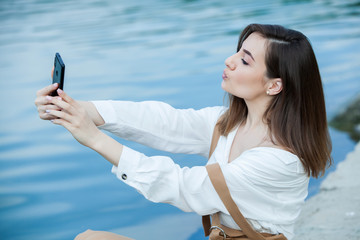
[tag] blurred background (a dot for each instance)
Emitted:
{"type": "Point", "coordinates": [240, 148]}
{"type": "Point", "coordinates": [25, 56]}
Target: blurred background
{"type": "Point", "coordinates": [51, 187]}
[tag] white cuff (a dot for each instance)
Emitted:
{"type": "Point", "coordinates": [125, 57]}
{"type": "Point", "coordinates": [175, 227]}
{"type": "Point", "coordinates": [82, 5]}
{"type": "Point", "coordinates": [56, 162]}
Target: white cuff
{"type": "Point", "coordinates": [126, 169]}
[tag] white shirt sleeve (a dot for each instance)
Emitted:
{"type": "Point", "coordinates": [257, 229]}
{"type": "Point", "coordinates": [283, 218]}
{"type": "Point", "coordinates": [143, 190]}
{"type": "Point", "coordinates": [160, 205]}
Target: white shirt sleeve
{"type": "Point", "coordinates": [160, 126]}
{"type": "Point", "coordinates": [263, 185]}
{"type": "Point", "coordinates": [159, 179]}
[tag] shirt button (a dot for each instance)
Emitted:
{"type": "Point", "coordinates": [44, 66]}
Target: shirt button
{"type": "Point", "coordinates": [124, 176]}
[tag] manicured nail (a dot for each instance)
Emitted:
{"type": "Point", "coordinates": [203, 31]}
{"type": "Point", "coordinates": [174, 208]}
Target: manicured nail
{"type": "Point", "coordinates": [47, 110]}
{"type": "Point", "coordinates": [59, 91]}
{"type": "Point", "coordinates": [48, 97]}
{"type": "Point", "coordinates": [55, 84]}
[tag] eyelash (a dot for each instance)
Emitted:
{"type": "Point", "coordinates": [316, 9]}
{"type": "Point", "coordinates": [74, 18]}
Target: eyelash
{"type": "Point", "coordinates": [244, 62]}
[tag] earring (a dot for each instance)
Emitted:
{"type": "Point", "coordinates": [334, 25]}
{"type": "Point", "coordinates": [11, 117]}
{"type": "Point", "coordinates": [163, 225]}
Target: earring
{"type": "Point", "coordinates": [268, 92]}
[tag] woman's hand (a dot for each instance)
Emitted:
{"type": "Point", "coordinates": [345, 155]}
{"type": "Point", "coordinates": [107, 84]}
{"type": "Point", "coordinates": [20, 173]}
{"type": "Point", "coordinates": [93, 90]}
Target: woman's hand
{"type": "Point", "coordinates": [80, 119]}
{"type": "Point", "coordinates": [43, 99]}
{"type": "Point", "coordinates": [74, 117]}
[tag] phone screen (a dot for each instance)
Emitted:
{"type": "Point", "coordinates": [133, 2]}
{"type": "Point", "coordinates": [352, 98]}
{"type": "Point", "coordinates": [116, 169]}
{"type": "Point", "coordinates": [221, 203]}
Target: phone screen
{"type": "Point", "coordinates": [59, 72]}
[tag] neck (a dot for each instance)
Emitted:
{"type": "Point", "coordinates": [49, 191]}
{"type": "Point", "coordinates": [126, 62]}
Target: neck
{"type": "Point", "coordinates": [256, 110]}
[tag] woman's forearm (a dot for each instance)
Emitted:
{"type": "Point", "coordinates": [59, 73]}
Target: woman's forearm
{"type": "Point", "coordinates": [107, 147]}
{"type": "Point", "coordinates": [92, 111]}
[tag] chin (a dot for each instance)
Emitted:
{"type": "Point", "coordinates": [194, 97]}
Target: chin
{"type": "Point", "coordinates": [226, 88]}
{"type": "Point", "coordinates": [223, 86]}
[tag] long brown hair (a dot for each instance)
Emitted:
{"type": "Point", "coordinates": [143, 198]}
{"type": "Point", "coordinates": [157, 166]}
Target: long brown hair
{"type": "Point", "coordinates": [296, 117]}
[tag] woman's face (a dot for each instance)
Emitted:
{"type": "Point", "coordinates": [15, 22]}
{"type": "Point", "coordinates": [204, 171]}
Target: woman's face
{"type": "Point", "coordinates": [244, 75]}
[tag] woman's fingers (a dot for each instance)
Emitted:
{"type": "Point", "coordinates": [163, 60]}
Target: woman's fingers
{"type": "Point", "coordinates": [47, 90]}
{"type": "Point", "coordinates": [41, 100]}
{"type": "Point", "coordinates": [43, 103]}
{"type": "Point", "coordinates": [44, 115]}
{"type": "Point", "coordinates": [66, 97]}
{"type": "Point", "coordinates": [67, 107]}
{"type": "Point", "coordinates": [43, 108]}
{"type": "Point", "coordinates": [44, 100]}
{"type": "Point", "coordinates": [68, 104]}
{"type": "Point", "coordinates": [62, 122]}
{"type": "Point", "coordinates": [59, 114]}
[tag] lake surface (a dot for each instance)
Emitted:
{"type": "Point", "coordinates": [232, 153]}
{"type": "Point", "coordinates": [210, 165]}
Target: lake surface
{"type": "Point", "coordinates": [51, 187]}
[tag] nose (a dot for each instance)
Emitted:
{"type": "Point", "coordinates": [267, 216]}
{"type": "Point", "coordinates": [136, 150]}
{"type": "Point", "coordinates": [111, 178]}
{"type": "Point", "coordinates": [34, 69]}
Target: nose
{"type": "Point", "coordinates": [229, 63]}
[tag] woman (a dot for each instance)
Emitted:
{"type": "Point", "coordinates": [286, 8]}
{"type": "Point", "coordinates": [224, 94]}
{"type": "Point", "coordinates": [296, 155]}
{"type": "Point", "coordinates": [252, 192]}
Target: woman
{"type": "Point", "coordinates": [274, 134]}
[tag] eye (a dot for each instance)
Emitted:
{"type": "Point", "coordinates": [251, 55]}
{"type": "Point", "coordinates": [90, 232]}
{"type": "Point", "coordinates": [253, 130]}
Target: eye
{"type": "Point", "coordinates": [244, 62]}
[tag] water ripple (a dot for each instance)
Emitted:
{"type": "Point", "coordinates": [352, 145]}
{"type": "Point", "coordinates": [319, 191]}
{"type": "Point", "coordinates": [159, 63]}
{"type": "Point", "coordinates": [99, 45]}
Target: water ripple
{"type": "Point", "coordinates": [172, 51]}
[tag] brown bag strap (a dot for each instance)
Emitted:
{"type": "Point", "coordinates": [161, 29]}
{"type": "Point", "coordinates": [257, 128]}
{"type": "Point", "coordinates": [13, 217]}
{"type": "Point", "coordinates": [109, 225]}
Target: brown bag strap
{"type": "Point", "coordinates": [206, 224]}
{"type": "Point", "coordinates": [215, 138]}
{"type": "Point", "coordinates": [218, 181]}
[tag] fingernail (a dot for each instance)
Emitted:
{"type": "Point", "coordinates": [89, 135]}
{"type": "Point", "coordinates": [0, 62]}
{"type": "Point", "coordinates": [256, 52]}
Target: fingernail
{"type": "Point", "coordinates": [55, 84]}
{"type": "Point", "coordinates": [59, 98]}
{"type": "Point", "coordinates": [48, 97]}
{"type": "Point", "coordinates": [59, 91]}
{"type": "Point", "coordinates": [47, 110]}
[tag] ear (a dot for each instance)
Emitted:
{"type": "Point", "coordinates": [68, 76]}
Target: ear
{"type": "Point", "coordinates": [274, 86]}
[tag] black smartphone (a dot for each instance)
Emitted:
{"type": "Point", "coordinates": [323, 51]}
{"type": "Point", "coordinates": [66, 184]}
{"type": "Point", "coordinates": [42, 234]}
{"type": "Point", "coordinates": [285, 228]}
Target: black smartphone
{"type": "Point", "coordinates": [59, 73]}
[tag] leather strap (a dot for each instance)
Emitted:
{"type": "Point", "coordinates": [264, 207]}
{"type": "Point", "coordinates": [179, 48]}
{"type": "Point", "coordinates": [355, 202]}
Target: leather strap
{"type": "Point", "coordinates": [219, 183]}
{"type": "Point", "coordinates": [232, 233]}
{"type": "Point", "coordinates": [215, 138]}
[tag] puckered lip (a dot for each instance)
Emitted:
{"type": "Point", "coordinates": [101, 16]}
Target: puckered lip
{"type": "Point", "coordinates": [224, 76]}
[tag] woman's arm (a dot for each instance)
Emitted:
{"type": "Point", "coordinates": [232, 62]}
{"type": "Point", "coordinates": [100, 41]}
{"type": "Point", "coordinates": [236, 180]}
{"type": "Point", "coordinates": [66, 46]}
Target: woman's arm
{"type": "Point", "coordinates": [159, 125]}
{"type": "Point", "coordinates": [154, 124]}
{"type": "Point", "coordinates": [157, 178]}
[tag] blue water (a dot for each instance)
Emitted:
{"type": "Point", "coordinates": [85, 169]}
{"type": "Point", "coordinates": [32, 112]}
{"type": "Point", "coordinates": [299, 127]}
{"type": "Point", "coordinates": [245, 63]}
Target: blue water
{"type": "Point", "coordinates": [51, 187]}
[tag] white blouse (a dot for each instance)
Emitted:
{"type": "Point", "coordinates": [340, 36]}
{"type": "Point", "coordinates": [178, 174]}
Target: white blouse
{"type": "Point", "coordinates": [269, 185]}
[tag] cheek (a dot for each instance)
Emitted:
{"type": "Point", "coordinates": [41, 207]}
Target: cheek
{"type": "Point", "coordinates": [247, 78]}
{"type": "Point", "coordinates": [248, 85]}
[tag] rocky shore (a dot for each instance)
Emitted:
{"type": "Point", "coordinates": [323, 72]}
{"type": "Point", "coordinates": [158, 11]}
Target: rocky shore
{"type": "Point", "coordinates": [334, 213]}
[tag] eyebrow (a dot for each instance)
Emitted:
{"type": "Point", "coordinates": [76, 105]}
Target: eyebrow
{"type": "Point", "coordinates": [249, 53]}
